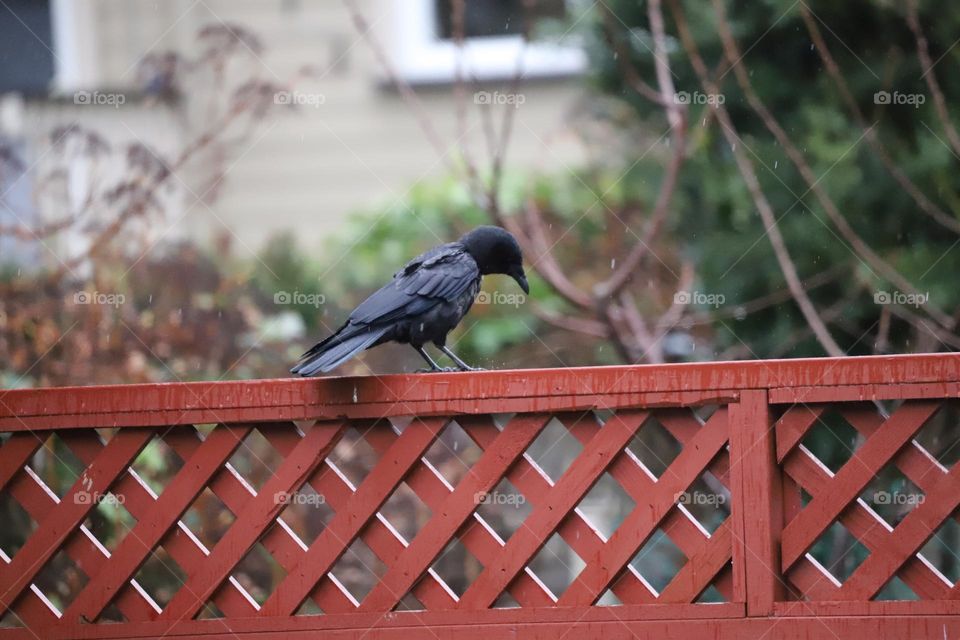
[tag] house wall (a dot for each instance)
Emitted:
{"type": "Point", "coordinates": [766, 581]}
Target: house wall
{"type": "Point", "coordinates": [309, 168]}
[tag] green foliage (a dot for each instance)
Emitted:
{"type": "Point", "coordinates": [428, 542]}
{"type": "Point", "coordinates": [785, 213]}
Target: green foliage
{"type": "Point", "coordinates": [714, 218]}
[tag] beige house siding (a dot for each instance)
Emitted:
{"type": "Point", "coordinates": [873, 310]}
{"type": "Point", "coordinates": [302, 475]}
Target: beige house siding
{"type": "Point", "coordinates": [311, 168]}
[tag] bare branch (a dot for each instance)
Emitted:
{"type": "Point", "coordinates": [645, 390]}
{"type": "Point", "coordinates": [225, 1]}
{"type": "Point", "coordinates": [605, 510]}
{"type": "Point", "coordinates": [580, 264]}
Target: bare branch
{"type": "Point", "coordinates": [925, 204]}
{"type": "Point", "coordinates": [672, 316]}
{"type": "Point", "coordinates": [622, 54]}
{"type": "Point", "coordinates": [923, 52]}
{"type": "Point", "coordinates": [677, 117]}
{"type": "Point", "coordinates": [572, 323]}
{"type": "Point", "coordinates": [544, 263]}
{"type": "Point", "coordinates": [763, 302]}
{"type": "Point", "coordinates": [745, 166]}
{"type": "Point", "coordinates": [859, 245]}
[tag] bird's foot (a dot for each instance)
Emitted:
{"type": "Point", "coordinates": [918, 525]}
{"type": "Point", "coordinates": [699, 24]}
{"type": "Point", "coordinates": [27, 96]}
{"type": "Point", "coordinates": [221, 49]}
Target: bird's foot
{"type": "Point", "coordinates": [471, 369]}
{"type": "Point", "coordinates": [437, 370]}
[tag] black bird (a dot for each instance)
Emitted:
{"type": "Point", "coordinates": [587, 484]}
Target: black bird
{"type": "Point", "coordinates": [425, 301]}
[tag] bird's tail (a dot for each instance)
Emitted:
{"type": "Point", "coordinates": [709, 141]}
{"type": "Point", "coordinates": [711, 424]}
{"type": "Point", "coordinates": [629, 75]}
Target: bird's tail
{"type": "Point", "coordinates": [336, 350]}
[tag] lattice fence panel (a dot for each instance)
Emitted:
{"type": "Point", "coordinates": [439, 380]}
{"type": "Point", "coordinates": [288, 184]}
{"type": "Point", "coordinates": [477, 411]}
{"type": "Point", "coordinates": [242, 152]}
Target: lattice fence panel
{"type": "Point", "coordinates": [436, 513]}
{"type": "Point", "coordinates": [871, 495]}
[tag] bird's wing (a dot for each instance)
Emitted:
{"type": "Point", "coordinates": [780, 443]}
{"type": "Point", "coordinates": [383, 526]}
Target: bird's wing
{"type": "Point", "coordinates": [429, 256]}
{"type": "Point", "coordinates": [439, 275]}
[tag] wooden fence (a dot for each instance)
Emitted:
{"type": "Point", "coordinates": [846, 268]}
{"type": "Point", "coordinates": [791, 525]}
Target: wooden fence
{"type": "Point", "coordinates": [745, 435]}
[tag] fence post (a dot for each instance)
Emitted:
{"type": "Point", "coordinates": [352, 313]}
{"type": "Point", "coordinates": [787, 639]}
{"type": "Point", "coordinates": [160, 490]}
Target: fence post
{"type": "Point", "coordinates": [756, 505]}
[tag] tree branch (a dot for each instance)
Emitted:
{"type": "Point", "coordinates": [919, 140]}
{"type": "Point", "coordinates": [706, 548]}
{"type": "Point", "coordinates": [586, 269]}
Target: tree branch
{"type": "Point", "coordinates": [860, 246]}
{"type": "Point", "coordinates": [925, 204]}
{"type": "Point", "coordinates": [677, 117]}
{"type": "Point", "coordinates": [923, 52]}
{"type": "Point", "coordinates": [746, 169]}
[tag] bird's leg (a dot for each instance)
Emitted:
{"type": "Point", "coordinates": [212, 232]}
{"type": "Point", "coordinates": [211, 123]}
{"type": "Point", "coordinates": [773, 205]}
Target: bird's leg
{"type": "Point", "coordinates": [460, 363]}
{"type": "Point", "coordinates": [433, 365]}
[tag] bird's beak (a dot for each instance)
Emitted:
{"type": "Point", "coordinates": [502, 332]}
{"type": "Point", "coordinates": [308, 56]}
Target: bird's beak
{"type": "Point", "coordinates": [521, 278]}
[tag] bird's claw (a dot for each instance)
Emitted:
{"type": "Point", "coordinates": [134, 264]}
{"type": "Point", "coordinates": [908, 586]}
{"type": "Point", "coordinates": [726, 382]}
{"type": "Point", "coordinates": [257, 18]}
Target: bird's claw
{"type": "Point", "coordinates": [438, 370]}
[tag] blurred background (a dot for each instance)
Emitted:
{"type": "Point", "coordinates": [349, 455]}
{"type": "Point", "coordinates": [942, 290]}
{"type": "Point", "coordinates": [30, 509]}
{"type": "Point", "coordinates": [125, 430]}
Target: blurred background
{"type": "Point", "coordinates": [200, 189]}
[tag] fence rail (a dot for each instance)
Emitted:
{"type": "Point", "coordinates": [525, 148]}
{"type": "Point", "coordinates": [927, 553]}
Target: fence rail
{"type": "Point", "coordinates": [805, 498]}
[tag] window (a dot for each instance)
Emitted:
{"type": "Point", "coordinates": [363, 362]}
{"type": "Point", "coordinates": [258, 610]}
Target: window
{"type": "Point", "coordinates": [493, 44]}
{"type": "Point", "coordinates": [491, 18]}
{"type": "Point", "coordinates": [26, 46]}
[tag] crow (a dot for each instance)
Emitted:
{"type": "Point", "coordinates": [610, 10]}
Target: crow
{"type": "Point", "coordinates": [424, 302]}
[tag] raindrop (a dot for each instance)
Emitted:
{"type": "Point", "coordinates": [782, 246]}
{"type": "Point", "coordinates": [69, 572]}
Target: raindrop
{"type": "Point", "coordinates": [456, 446]}
{"type": "Point", "coordinates": [354, 394]}
{"type": "Point", "coordinates": [776, 163]}
{"type": "Point", "coordinates": [613, 264]}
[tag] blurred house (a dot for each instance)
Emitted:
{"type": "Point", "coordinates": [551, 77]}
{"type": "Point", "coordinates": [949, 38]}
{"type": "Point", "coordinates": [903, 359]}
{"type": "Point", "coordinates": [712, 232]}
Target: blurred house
{"type": "Point", "coordinates": [352, 142]}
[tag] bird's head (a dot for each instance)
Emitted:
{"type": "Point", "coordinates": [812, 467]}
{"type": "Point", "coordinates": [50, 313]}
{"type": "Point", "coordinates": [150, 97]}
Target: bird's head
{"type": "Point", "coordinates": [496, 251]}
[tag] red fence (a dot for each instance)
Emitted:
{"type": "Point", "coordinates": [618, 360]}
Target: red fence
{"type": "Point", "coordinates": [748, 441]}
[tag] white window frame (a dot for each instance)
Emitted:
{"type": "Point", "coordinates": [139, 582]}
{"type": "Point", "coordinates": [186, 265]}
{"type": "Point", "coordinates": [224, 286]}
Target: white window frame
{"type": "Point", "coordinates": [422, 57]}
{"type": "Point", "coordinates": [74, 44]}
